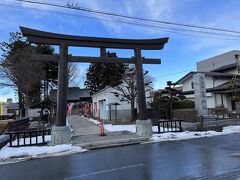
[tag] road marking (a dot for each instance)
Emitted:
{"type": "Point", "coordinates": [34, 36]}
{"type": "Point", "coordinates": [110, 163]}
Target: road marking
{"type": "Point", "coordinates": [104, 171]}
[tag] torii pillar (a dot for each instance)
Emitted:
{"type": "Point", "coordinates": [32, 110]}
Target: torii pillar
{"type": "Point", "coordinates": [61, 133]}
{"type": "Point", "coordinates": [143, 125]}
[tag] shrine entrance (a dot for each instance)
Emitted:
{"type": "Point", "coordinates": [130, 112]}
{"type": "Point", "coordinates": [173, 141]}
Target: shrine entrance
{"type": "Point", "coordinates": [61, 132]}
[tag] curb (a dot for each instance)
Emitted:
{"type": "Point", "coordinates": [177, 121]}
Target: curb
{"type": "Point", "coordinates": [113, 143]}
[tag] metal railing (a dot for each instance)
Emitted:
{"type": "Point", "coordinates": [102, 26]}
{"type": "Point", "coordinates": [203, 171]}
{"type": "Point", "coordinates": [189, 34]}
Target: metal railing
{"type": "Point", "coordinates": [174, 125]}
{"type": "Point", "coordinates": [28, 138]}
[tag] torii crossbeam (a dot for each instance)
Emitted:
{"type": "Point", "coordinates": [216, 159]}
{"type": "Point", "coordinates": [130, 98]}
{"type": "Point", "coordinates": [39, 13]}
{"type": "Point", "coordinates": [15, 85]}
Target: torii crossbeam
{"type": "Point", "coordinates": [144, 127]}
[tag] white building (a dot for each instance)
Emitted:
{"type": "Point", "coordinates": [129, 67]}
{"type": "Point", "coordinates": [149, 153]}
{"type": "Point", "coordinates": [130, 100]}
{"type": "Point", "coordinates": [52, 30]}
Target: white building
{"type": "Point", "coordinates": [219, 72]}
{"type": "Point", "coordinates": [104, 103]}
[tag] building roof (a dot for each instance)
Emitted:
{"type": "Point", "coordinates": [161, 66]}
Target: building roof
{"type": "Point", "coordinates": [107, 87]}
{"type": "Point", "coordinates": [73, 94]}
{"type": "Point", "coordinates": [223, 88]}
{"type": "Point", "coordinates": [227, 67]}
{"type": "Point", "coordinates": [12, 106]}
{"type": "Point", "coordinates": [211, 73]}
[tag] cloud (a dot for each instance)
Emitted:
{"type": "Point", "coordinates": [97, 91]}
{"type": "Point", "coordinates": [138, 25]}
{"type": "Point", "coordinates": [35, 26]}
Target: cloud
{"type": "Point", "coordinates": [224, 20]}
{"type": "Point", "coordinates": [160, 9]}
{"type": "Point", "coordinates": [148, 9]}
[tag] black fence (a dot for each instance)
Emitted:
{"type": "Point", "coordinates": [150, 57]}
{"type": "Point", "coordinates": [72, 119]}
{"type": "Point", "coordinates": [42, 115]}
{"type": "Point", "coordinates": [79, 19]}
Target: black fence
{"type": "Point", "coordinates": [20, 124]}
{"type": "Point", "coordinates": [174, 125]}
{"type": "Point", "coordinates": [7, 116]}
{"type": "Point", "coordinates": [28, 138]}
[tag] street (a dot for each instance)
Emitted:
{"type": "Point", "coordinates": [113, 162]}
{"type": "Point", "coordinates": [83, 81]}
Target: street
{"type": "Point", "coordinates": [205, 158]}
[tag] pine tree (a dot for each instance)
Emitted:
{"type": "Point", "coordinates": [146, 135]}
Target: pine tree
{"type": "Point", "coordinates": [100, 75]}
{"type": "Point", "coordinates": [50, 69]}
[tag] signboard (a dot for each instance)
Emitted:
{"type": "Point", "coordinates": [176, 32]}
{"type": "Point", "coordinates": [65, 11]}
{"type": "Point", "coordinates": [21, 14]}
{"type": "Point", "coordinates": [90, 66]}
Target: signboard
{"type": "Point", "coordinates": [200, 94]}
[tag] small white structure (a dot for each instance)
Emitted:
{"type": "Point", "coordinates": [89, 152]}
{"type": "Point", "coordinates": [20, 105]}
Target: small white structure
{"type": "Point", "coordinates": [219, 72]}
{"type": "Point", "coordinates": [11, 107]}
{"type": "Point", "coordinates": [109, 107]}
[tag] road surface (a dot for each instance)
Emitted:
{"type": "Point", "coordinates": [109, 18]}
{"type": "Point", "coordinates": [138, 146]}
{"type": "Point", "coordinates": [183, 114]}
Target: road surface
{"type": "Point", "coordinates": [204, 158]}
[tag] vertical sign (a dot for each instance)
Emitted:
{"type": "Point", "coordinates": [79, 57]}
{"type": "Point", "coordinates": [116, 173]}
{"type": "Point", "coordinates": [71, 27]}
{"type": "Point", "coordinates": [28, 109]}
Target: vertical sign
{"type": "Point", "coordinates": [200, 94]}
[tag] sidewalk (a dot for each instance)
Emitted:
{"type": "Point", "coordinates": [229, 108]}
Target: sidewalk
{"type": "Point", "coordinates": [118, 138]}
{"type": "Point", "coordinates": [86, 135]}
{"type": "Point", "coordinates": [82, 126]}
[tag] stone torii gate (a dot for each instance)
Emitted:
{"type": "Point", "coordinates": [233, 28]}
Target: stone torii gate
{"type": "Point", "coordinates": [61, 132]}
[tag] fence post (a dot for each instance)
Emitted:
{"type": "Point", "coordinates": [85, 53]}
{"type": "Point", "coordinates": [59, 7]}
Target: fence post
{"type": "Point", "coordinates": [180, 125]}
{"type": "Point", "coordinates": [24, 138]}
{"type": "Point", "coordinates": [201, 123]}
{"type": "Point", "coordinates": [10, 140]}
{"type": "Point", "coordinates": [30, 136]}
{"type": "Point", "coordinates": [18, 138]}
{"type": "Point", "coordinates": [43, 136]}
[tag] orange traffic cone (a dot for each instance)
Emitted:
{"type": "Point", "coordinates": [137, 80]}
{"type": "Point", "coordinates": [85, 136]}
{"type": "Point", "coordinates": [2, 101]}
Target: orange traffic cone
{"type": "Point", "coordinates": [102, 133]}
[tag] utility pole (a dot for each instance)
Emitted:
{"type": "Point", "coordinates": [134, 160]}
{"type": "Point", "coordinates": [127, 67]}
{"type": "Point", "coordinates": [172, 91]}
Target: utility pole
{"type": "Point", "coordinates": [235, 80]}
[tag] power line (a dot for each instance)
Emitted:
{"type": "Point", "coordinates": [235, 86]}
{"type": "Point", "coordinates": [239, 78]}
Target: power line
{"type": "Point", "coordinates": [170, 74]}
{"type": "Point", "coordinates": [76, 7]}
{"type": "Point", "coordinates": [155, 27]}
{"type": "Point", "coordinates": [143, 25]}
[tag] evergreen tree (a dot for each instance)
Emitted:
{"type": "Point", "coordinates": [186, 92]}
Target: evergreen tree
{"type": "Point", "coordinates": [100, 75]}
{"type": "Point", "coordinates": [50, 69]}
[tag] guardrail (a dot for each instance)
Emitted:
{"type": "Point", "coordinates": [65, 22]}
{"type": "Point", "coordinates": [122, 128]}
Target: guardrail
{"type": "Point", "coordinates": [28, 138]}
{"type": "Point", "coordinates": [174, 125]}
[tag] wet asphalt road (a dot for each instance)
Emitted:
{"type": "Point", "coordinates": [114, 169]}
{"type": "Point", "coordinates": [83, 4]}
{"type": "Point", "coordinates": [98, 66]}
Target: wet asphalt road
{"type": "Point", "coordinates": [205, 158]}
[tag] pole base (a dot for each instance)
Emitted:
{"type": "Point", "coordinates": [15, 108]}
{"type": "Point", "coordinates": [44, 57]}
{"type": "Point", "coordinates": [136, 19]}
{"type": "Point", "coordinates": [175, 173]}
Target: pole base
{"type": "Point", "coordinates": [144, 128]}
{"type": "Point", "coordinates": [102, 134]}
{"type": "Point", "coordinates": [60, 135]}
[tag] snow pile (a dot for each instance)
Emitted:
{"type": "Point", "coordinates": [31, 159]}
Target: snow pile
{"type": "Point", "coordinates": [16, 154]}
{"type": "Point", "coordinates": [131, 128]}
{"type": "Point", "coordinates": [170, 136]}
{"type": "Point", "coordinates": [231, 129]}
{"type": "Point", "coordinates": [111, 128]}
{"type": "Point", "coordinates": [192, 135]}
{"type": "Point", "coordinates": [11, 154]}
{"type": "Point", "coordinates": [94, 121]}
{"type": "Point", "coordinates": [182, 135]}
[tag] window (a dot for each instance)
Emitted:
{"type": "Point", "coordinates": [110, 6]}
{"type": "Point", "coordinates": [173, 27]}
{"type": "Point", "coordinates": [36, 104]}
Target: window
{"type": "Point", "coordinates": [192, 85]}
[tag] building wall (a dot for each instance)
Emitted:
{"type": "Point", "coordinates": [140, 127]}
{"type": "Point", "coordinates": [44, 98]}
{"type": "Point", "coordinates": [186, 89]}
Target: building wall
{"type": "Point", "coordinates": [213, 100]}
{"type": "Point", "coordinates": [106, 95]}
{"type": "Point", "coordinates": [217, 61]}
{"type": "Point", "coordinates": [187, 85]}
{"type": "Point", "coordinates": [123, 110]}
{"type": "Point", "coordinates": [2, 108]}
{"type": "Point", "coordinates": [224, 101]}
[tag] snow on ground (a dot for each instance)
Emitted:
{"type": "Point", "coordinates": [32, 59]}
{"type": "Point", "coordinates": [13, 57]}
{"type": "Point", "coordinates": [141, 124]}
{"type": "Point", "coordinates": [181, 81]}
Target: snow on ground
{"type": "Point", "coordinates": [131, 127]}
{"type": "Point", "coordinates": [111, 128]}
{"type": "Point", "coordinates": [191, 135]}
{"type": "Point", "coordinates": [16, 154]}
{"type": "Point", "coordinates": [171, 136]}
{"type": "Point", "coordinates": [94, 121]}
